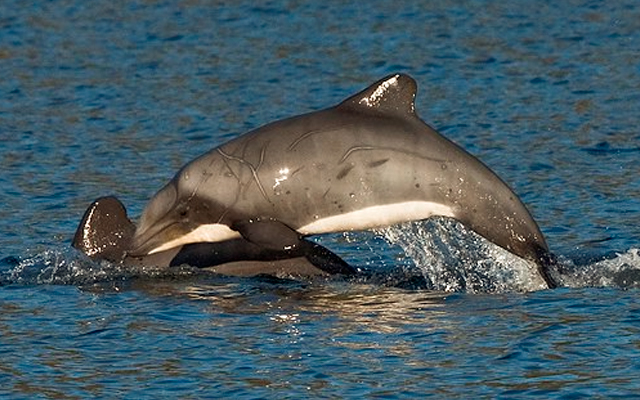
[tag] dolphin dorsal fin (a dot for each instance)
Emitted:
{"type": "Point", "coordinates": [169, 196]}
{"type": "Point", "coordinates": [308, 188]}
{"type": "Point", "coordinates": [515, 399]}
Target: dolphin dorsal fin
{"type": "Point", "coordinates": [394, 95]}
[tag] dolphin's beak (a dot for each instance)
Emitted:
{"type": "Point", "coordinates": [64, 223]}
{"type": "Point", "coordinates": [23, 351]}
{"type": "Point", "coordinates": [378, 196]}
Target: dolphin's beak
{"type": "Point", "coordinates": [158, 224]}
{"type": "Point", "coordinates": [163, 236]}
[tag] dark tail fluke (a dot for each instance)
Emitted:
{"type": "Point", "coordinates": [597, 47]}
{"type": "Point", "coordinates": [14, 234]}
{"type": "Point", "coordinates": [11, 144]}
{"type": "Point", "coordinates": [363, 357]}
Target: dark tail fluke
{"type": "Point", "coordinates": [546, 261]}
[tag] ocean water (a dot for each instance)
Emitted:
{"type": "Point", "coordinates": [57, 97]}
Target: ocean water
{"type": "Point", "coordinates": [102, 98]}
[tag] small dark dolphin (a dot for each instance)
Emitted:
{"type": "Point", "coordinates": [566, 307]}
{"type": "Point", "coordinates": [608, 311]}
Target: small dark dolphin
{"type": "Point", "coordinates": [105, 233]}
{"type": "Point", "coordinates": [368, 162]}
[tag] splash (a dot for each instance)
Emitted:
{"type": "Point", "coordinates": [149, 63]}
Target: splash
{"type": "Point", "coordinates": [68, 267]}
{"type": "Point", "coordinates": [454, 259]}
{"type": "Point", "coordinates": [618, 269]}
{"type": "Point", "coordinates": [439, 254]}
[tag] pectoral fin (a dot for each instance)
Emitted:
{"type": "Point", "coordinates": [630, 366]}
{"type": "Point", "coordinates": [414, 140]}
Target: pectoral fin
{"type": "Point", "coordinates": [268, 234]}
{"type": "Point", "coordinates": [277, 240]}
{"type": "Point", "coordinates": [324, 259]}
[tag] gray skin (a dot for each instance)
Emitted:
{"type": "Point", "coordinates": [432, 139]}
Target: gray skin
{"type": "Point", "coordinates": [370, 150]}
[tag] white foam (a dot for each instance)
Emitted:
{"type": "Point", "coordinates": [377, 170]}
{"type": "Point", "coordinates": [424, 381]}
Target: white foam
{"type": "Point", "coordinates": [454, 258]}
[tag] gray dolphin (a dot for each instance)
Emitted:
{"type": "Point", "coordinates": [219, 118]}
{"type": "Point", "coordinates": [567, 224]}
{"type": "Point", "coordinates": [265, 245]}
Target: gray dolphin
{"type": "Point", "coordinates": [368, 162]}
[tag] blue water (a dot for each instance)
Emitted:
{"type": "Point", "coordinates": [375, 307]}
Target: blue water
{"type": "Point", "coordinates": [113, 97]}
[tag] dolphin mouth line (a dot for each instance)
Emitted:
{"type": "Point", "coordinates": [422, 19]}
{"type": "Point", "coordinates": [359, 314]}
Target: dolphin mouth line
{"type": "Point", "coordinates": [141, 241]}
{"type": "Point", "coordinates": [207, 233]}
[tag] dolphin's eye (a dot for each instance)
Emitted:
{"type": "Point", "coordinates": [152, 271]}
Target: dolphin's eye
{"type": "Point", "coordinates": [183, 211]}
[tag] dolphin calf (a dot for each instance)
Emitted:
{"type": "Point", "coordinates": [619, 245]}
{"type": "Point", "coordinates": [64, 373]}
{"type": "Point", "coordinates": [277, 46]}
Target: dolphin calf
{"type": "Point", "coordinates": [367, 162]}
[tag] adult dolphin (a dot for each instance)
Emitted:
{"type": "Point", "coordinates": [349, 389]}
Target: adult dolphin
{"type": "Point", "coordinates": [368, 162]}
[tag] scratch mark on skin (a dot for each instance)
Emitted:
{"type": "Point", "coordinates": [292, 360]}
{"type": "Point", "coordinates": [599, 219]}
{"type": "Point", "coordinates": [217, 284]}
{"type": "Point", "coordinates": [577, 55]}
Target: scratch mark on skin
{"type": "Point", "coordinates": [345, 171]}
{"type": "Point", "coordinates": [377, 163]}
{"type": "Point", "coordinates": [254, 171]}
{"type": "Point", "coordinates": [261, 160]}
{"type": "Point", "coordinates": [301, 138]}
{"type": "Point", "coordinates": [257, 169]}
{"type": "Point", "coordinates": [296, 171]}
{"type": "Point", "coordinates": [312, 132]}
{"type": "Point", "coordinates": [224, 214]}
{"type": "Point", "coordinates": [235, 201]}
{"type": "Point", "coordinates": [354, 149]}
{"type": "Point", "coordinates": [205, 178]}
{"type": "Point", "coordinates": [357, 148]}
